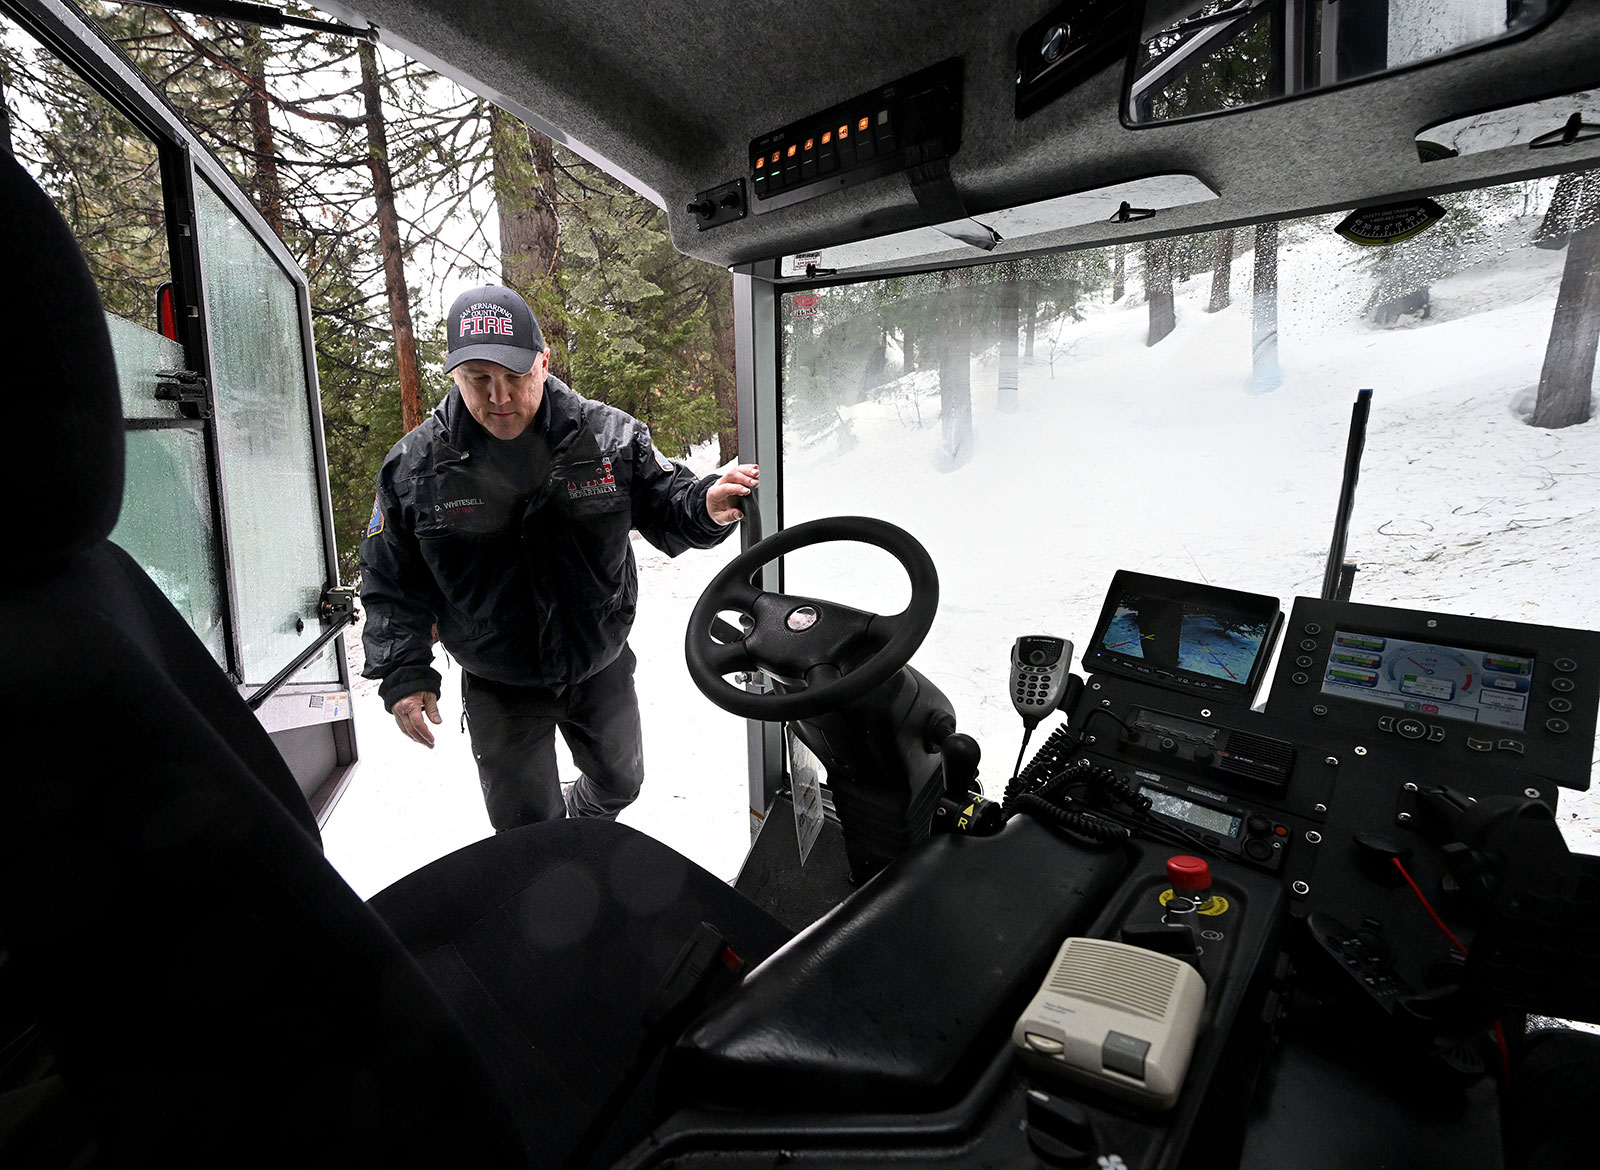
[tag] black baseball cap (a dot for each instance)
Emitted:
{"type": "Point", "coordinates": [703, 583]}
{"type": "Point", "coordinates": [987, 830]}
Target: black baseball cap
{"type": "Point", "coordinates": [492, 324]}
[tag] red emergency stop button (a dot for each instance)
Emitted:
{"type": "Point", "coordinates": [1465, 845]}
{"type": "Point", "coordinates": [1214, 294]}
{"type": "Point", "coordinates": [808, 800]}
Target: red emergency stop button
{"type": "Point", "coordinates": [1188, 873]}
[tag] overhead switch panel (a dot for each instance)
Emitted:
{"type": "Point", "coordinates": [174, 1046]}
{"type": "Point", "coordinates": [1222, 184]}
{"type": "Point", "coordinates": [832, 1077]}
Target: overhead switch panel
{"type": "Point", "coordinates": [892, 128]}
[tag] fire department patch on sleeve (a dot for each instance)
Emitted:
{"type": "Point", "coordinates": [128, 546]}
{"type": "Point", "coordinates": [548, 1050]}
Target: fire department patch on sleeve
{"type": "Point", "coordinates": [375, 525]}
{"type": "Point", "coordinates": [662, 461]}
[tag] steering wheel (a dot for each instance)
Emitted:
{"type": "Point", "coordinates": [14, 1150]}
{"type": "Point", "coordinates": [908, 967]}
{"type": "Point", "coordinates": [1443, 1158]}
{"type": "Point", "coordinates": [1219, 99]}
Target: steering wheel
{"type": "Point", "coordinates": [803, 638]}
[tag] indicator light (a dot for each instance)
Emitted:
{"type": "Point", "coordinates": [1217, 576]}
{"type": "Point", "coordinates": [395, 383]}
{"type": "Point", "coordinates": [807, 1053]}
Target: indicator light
{"type": "Point", "coordinates": [844, 132]}
{"type": "Point", "coordinates": [810, 143]}
{"type": "Point", "coordinates": [863, 124]}
{"type": "Point", "coordinates": [827, 137]}
{"type": "Point", "coordinates": [761, 162]}
{"type": "Point", "coordinates": [883, 116]}
{"type": "Point", "coordinates": [792, 149]}
{"type": "Point", "coordinates": [774, 158]}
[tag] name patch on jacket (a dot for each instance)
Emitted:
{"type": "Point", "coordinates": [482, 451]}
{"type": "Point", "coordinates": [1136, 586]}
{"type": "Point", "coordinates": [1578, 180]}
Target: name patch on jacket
{"type": "Point", "coordinates": [603, 484]}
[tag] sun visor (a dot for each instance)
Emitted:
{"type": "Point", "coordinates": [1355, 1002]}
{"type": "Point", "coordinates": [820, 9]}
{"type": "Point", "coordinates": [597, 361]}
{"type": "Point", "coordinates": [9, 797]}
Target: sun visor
{"type": "Point", "coordinates": [1027, 226]}
{"type": "Point", "coordinates": [1554, 124]}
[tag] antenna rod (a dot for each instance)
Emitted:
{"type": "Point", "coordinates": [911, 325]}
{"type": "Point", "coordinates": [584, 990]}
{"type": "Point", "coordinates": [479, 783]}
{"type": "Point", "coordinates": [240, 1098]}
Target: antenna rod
{"type": "Point", "coordinates": [1331, 577]}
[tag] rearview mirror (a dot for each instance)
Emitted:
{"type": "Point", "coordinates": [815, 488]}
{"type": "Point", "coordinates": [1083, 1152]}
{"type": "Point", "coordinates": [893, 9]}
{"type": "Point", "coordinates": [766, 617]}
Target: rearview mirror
{"type": "Point", "coordinates": [1195, 58]}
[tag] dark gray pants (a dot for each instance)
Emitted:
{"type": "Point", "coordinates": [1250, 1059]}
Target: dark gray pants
{"type": "Point", "coordinates": [513, 740]}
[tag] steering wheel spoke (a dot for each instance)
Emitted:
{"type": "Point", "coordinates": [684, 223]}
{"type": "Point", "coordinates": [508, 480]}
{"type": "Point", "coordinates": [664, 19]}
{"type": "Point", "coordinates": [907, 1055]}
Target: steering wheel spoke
{"type": "Point", "coordinates": [823, 674]}
{"type": "Point", "coordinates": [885, 628]}
{"type": "Point", "coordinates": [727, 658]}
{"type": "Point", "coordinates": [742, 595]}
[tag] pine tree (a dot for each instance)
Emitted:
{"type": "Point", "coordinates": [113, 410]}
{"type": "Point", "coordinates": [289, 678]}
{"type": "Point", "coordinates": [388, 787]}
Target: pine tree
{"type": "Point", "coordinates": [526, 203]}
{"type": "Point", "coordinates": [1566, 378]}
{"type": "Point", "coordinates": [1221, 272]}
{"type": "Point", "coordinates": [100, 171]}
{"type": "Point", "coordinates": [1158, 289]}
{"type": "Point", "coordinates": [389, 243]}
{"type": "Point", "coordinates": [1010, 311]}
{"type": "Point", "coordinates": [955, 368]}
{"type": "Point", "coordinates": [1265, 375]}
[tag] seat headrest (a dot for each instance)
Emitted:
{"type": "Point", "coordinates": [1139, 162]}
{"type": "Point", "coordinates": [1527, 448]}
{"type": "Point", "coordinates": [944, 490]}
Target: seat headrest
{"type": "Point", "coordinates": [67, 446]}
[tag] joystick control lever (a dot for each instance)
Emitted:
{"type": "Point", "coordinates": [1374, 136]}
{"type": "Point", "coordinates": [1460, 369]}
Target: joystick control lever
{"type": "Point", "coordinates": [962, 809]}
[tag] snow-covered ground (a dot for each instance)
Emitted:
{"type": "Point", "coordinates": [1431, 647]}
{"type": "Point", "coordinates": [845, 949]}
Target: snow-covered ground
{"type": "Point", "coordinates": [1123, 456]}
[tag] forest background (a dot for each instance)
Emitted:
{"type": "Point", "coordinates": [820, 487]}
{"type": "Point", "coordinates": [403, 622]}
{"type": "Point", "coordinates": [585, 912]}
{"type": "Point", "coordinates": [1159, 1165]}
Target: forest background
{"type": "Point", "coordinates": [395, 189]}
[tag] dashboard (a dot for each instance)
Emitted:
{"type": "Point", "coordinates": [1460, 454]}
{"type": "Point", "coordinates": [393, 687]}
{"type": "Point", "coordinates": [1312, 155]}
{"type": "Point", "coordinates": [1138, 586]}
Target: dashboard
{"type": "Point", "coordinates": [1364, 873]}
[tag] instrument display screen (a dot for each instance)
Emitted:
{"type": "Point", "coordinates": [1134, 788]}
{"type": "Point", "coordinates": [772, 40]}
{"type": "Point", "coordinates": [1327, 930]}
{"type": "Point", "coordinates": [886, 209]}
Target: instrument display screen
{"type": "Point", "coordinates": [1478, 686]}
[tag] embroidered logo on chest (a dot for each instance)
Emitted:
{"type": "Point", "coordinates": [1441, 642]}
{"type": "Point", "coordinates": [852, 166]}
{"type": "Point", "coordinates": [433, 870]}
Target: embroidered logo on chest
{"type": "Point", "coordinates": [603, 484]}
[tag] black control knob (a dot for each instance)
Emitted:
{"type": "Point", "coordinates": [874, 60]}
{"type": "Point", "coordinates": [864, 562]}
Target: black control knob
{"type": "Point", "coordinates": [1055, 43]}
{"type": "Point", "coordinates": [959, 756]}
{"type": "Point", "coordinates": [1203, 755]}
{"type": "Point", "coordinates": [1168, 744]}
{"type": "Point", "coordinates": [702, 208]}
{"type": "Point", "coordinates": [1059, 1130]}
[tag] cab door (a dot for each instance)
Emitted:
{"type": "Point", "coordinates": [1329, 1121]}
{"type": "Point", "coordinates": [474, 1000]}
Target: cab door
{"type": "Point", "coordinates": [226, 504]}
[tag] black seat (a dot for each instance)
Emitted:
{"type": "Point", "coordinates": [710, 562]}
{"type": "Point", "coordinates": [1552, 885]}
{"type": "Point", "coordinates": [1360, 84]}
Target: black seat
{"type": "Point", "coordinates": [184, 979]}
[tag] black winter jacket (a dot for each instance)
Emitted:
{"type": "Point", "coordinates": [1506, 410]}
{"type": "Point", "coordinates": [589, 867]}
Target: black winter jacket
{"type": "Point", "coordinates": [544, 596]}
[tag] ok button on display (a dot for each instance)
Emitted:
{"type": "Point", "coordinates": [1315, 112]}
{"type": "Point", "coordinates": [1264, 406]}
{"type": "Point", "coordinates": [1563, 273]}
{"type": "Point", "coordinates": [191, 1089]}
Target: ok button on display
{"type": "Point", "coordinates": [1411, 728]}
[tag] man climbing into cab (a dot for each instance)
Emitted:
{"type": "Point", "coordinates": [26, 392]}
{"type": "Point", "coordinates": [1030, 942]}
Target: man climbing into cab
{"type": "Point", "coordinates": [504, 520]}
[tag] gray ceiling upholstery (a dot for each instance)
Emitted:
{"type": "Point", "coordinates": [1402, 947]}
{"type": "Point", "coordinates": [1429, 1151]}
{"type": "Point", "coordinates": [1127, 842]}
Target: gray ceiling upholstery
{"type": "Point", "coordinates": [668, 96]}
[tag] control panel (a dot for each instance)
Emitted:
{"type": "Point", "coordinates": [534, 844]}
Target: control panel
{"type": "Point", "coordinates": [885, 130]}
{"type": "Point", "coordinates": [1226, 782]}
{"type": "Point", "coordinates": [1202, 922]}
{"type": "Point", "coordinates": [1468, 690]}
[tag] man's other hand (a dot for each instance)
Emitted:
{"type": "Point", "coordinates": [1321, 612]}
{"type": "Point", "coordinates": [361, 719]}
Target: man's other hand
{"type": "Point", "coordinates": [408, 713]}
{"type": "Point", "coordinates": [736, 482]}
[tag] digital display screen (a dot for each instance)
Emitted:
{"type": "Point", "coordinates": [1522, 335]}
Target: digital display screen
{"type": "Point", "coordinates": [1478, 686]}
{"type": "Point", "coordinates": [1178, 633]}
{"type": "Point", "coordinates": [1212, 820]}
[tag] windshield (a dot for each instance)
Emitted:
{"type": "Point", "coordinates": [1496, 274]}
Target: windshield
{"type": "Point", "coordinates": [1181, 407]}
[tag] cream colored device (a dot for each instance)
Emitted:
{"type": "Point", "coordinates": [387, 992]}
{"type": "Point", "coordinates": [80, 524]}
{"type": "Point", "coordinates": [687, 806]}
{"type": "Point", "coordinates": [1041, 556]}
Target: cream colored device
{"type": "Point", "coordinates": [1120, 1018]}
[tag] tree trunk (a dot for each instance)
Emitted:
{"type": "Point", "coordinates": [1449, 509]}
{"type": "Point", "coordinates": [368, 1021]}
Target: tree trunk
{"type": "Point", "coordinates": [394, 265]}
{"type": "Point", "coordinates": [1119, 275]}
{"type": "Point", "coordinates": [1264, 372]}
{"type": "Point", "coordinates": [955, 370]}
{"type": "Point", "coordinates": [1566, 382]}
{"type": "Point", "coordinates": [265, 185]}
{"type": "Point", "coordinates": [872, 373]}
{"type": "Point", "coordinates": [1222, 273]}
{"type": "Point", "coordinates": [1030, 323]}
{"type": "Point", "coordinates": [1010, 308]}
{"type": "Point", "coordinates": [724, 388]}
{"type": "Point", "coordinates": [530, 233]}
{"type": "Point", "coordinates": [1158, 289]}
{"type": "Point", "coordinates": [5, 123]}
{"type": "Point", "coordinates": [1573, 206]}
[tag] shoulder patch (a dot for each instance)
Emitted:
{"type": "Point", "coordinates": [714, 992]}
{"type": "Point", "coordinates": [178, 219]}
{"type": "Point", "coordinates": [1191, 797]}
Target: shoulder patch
{"type": "Point", "coordinates": [375, 525]}
{"type": "Point", "coordinates": [663, 462]}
